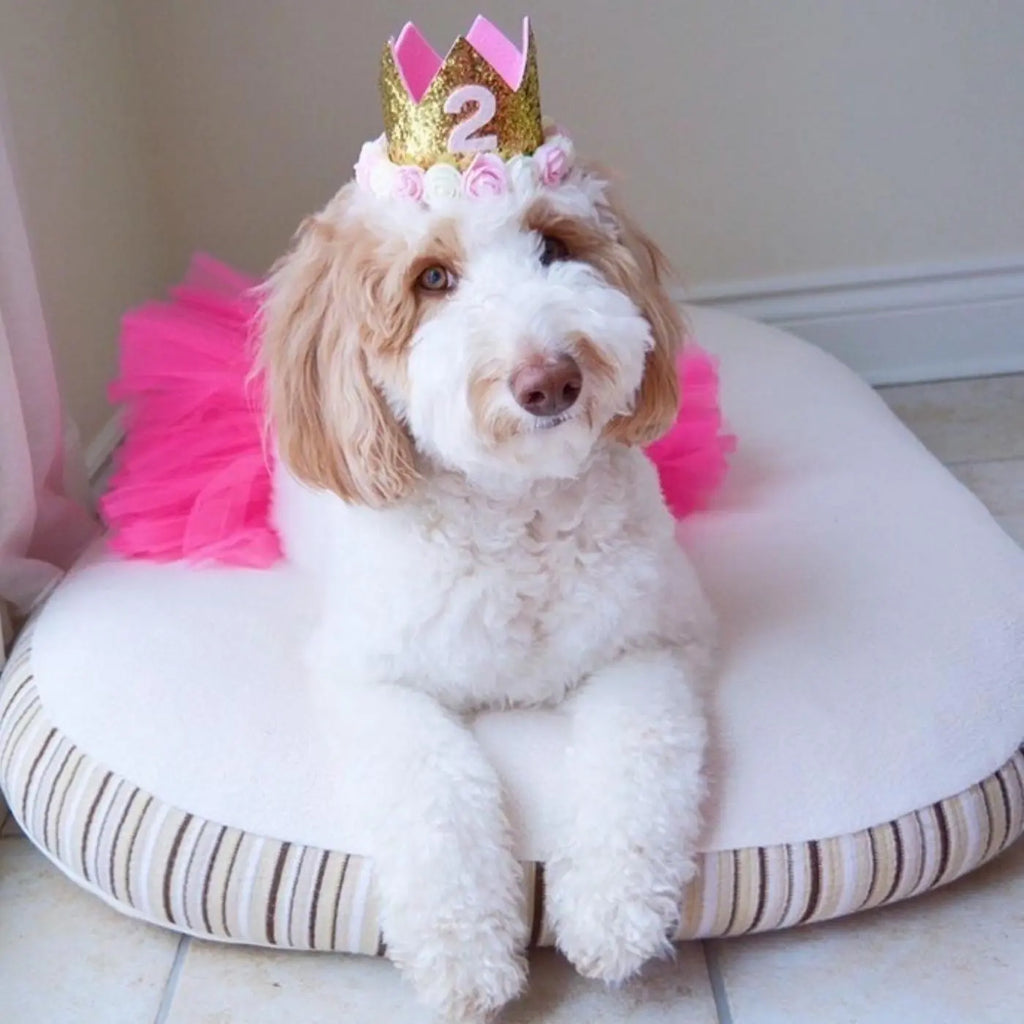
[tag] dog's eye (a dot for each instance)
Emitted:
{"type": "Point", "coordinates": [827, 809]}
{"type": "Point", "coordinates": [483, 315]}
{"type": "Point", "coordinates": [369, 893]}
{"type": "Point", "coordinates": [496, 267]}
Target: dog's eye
{"type": "Point", "coordinates": [436, 279]}
{"type": "Point", "coordinates": [552, 250]}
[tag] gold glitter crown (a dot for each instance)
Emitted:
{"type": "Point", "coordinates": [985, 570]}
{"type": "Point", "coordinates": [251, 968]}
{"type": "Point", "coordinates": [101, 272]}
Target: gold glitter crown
{"type": "Point", "coordinates": [483, 97]}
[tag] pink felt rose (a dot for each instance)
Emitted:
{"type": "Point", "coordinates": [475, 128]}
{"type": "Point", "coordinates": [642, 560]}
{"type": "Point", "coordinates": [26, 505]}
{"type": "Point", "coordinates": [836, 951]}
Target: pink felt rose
{"type": "Point", "coordinates": [408, 183]}
{"type": "Point", "coordinates": [554, 159]}
{"type": "Point", "coordinates": [485, 176]}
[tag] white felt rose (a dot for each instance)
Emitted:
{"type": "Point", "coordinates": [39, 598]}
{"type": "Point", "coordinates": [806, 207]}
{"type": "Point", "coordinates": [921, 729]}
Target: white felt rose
{"type": "Point", "coordinates": [382, 178]}
{"type": "Point", "coordinates": [524, 174]}
{"type": "Point", "coordinates": [370, 155]}
{"type": "Point", "coordinates": [441, 182]}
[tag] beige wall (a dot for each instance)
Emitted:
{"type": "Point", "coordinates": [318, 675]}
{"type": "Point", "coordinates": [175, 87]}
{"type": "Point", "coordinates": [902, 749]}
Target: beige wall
{"type": "Point", "coordinates": [760, 137]}
{"type": "Point", "coordinates": [86, 195]}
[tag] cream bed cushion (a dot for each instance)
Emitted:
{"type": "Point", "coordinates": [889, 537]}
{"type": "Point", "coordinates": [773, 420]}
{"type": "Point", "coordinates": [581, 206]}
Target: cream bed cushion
{"type": "Point", "coordinates": [155, 736]}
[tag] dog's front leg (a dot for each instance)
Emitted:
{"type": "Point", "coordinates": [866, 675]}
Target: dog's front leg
{"type": "Point", "coordinates": [452, 903]}
{"type": "Point", "coordinates": [632, 815]}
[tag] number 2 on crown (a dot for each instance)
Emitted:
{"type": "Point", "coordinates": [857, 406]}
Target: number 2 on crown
{"type": "Point", "coordinates": [462, 138]}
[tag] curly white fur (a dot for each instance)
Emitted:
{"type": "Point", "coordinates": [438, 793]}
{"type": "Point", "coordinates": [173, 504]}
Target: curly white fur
{"type": "Point", "coordinates": [460, 569]}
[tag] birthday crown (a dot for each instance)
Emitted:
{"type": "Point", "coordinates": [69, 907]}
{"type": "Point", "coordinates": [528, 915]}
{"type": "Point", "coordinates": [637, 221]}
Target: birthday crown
{"type": "Point", "coordinates": [467, 125]}
{"type": "Point", "coordinates": [484, 96]}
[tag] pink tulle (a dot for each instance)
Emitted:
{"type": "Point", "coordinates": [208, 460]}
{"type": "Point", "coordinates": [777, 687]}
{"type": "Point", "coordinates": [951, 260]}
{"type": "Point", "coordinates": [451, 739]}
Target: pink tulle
{"type": "Point", "coordinates": [693, 457]}
{"type": "Point", "coordinates": [194, 476]}
{"type": "Point", "coordinates": [193, 479]}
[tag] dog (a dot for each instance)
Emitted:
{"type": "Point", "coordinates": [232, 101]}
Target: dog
{"type": "Point", "coordinates": [459, 399]}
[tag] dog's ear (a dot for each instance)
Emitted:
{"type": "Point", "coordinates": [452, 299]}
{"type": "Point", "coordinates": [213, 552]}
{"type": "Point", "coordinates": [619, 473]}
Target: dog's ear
{"type": "Point", "coordinates": [332, 426]}
{"type": "Point", "coordinates": [644, 274]}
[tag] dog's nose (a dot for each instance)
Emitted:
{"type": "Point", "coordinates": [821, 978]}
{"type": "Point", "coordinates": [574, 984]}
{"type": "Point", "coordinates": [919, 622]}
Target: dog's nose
{"type": "Point", "coordinates": [547, 387]}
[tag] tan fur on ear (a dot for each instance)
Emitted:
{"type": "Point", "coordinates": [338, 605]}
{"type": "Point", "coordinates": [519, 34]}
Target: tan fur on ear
{"type": "Point", "coordinates": [322, 325]}
{"type": "Point", "coordinates": [643, 274]}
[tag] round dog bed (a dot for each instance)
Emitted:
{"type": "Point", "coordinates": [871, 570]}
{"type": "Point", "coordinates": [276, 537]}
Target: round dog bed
{"type": "Point", "coordinates": [156, 743]}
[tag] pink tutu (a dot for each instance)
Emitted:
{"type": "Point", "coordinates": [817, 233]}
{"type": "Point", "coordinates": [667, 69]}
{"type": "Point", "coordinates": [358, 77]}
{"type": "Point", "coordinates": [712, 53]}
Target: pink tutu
{"type": "Point", "coordinates": [194, 476]}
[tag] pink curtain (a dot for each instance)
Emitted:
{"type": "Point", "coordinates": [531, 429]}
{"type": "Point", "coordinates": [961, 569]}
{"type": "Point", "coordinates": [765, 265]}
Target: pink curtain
{"type": "Point", "coordinates": [42, 525]}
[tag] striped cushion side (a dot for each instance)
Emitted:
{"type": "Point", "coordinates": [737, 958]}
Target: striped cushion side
{"type": "Point", "coordinates": [173, 868]}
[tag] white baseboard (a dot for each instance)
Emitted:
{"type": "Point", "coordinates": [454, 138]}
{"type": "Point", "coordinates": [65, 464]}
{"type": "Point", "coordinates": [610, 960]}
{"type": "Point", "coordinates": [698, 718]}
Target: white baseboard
{"type": "Point", "coordinates": [99, 453]}
{"type": "Point", "coordinates": [900, 325]}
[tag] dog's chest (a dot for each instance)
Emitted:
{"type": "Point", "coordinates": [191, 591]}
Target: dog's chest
{"type": "Point", "coordinates": [518, 611]}
{"type": "Point", "coordinates": [483, 604]}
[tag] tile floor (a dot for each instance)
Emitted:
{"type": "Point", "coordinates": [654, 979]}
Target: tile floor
{"type": "Point", "coordinates": [952, 957]}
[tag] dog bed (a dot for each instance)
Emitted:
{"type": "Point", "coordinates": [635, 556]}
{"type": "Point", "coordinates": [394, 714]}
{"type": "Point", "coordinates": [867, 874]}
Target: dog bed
{"type": "Point", "coordinates": [867, 722]}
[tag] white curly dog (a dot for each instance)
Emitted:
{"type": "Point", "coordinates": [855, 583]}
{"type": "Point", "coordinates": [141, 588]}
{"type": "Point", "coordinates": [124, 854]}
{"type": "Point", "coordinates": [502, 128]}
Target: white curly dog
{"type": "Point", "coordinates": [458, 397]}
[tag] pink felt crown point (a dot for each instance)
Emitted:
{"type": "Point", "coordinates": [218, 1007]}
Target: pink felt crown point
{"type": "Point", "coordinates": [418, 62]}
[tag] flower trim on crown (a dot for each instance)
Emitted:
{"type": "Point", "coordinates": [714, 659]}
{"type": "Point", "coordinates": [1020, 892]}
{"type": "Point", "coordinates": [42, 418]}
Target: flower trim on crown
{"type": "Point", "coordinates": [487, 176]}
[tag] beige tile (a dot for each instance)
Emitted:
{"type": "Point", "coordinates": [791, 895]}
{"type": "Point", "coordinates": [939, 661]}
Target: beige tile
{"type": "Point", "coordinates": [222, 984]}
{"type": "Point", "coordinates": [8, 826]}
{"type": "Point", "coordinates": [9, 829]}
{"type": "Point", "coordinates": [1014, 526]}
{"type": "Point", "coordinates": [67, 958]}
{"type": "Point", "coordinates": [955, 956]}
{"type": "Point", "coordinates": [1000, 485]}
{"type": "Point", "coordinates": [965, 420]}
{"type": "Point", "coordinates": [666, 993]}
{"type": "Point", "coordinates": [229, 984]}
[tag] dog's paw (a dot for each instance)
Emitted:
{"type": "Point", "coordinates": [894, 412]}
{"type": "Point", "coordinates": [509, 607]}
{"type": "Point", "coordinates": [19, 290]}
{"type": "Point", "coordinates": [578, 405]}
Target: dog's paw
{"type": "Point", "coordinates": [610, 922]}
{"type": "Point", "coordinates": [461, 944]}
{"type": "Point", "coordinates": [466, 982]}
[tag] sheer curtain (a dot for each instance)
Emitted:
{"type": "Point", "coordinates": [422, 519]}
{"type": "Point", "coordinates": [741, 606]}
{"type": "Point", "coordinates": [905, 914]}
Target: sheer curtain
{"type": "Point", "coordinates": [43, 526]}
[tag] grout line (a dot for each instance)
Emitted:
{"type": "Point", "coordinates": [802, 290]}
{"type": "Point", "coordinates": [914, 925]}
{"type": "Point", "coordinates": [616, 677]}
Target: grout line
{"type": "Point", "coordinates": [965, 379]}
{"type": "Point", "coordinates": [171, 988]}
{"type": "Point", "coordinates": [722, 1007]}
{"type": "Point", "coordinates": [998, 461]}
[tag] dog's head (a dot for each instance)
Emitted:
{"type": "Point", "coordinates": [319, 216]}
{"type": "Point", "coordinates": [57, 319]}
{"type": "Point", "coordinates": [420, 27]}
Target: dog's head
{"type": "Point", "coordinates": [502, 338]}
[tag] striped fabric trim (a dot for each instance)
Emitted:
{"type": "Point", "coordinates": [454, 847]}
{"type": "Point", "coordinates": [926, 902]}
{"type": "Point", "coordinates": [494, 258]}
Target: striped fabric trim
{"type": "Point", "coordinates": [175, 869]}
